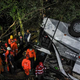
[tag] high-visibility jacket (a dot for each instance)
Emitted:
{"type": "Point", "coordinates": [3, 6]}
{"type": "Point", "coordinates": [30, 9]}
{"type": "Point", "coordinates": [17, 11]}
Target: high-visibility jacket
{"type": "Point", "coordinates": [15, 45]}
{"type": "Point", "coordinates": [39, 69]}
{"type": "Point", "coordinates": [6, 55]}
{"type": "Point", "coordinates": [26, 64]}
{"type": "Point", "coordinates": [10, 41]}
{"type": "Point", "coordinates": [31, 53]}
{"type": "Point", "coordinates": [6, 59]}
{"type": "Point", "coordinates": [14, 40]}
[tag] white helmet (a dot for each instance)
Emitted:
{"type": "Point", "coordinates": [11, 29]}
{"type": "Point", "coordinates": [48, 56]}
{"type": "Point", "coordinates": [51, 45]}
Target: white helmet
{"type": "Point", "coordinates": [8, 48]}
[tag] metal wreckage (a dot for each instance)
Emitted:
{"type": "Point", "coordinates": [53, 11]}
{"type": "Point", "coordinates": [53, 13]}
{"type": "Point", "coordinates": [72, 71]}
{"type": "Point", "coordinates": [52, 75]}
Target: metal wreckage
{"type": "Point", "coordinates": [61, 42]}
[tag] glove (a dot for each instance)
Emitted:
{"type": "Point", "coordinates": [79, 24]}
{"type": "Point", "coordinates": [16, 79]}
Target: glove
{"type": "Point", "coordinates": [34, 59]}
{"type": "Point", "coordinates": [36, 76]}
{"type": "Point", "coordinates": [12, 66]}
{"type": "Point", "coordinates": [4, 54]}
{"type": "Point", "coordinates": [6, 62]}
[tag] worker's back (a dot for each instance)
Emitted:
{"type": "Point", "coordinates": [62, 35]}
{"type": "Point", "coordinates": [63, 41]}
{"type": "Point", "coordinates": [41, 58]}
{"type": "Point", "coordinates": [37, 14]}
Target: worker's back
{"type": "Point", "coordinates": [26, 64]}
{"type": "Point", "coordinates": [31, 53]}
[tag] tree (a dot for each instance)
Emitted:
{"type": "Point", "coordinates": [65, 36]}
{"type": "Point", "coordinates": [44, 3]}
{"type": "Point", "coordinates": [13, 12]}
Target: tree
{"type": "Point", "coordinates": [28, 14]}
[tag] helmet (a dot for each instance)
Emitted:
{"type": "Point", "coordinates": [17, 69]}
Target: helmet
{"type": "Point", "coordinates": [8, 48]}
{"type": "Point", "coordinates": [41, 64]}
{"type": "Point", "coordinates": [11, 36]}
{"type": "Point", "coordinates": [6, 44]}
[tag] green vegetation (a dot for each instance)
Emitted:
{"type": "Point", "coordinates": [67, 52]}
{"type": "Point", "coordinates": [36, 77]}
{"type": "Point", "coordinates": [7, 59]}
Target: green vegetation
{"type": "Point", "coordinates": [28, 14]}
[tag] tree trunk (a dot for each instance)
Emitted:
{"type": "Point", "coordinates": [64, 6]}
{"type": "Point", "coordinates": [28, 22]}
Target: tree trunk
{"type": "Point", "coordinates": [21, 24]}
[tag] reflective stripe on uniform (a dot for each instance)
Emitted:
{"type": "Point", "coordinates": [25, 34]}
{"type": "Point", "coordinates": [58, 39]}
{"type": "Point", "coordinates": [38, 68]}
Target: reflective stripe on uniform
{"type": "Point", "coordinates": [39, 70]}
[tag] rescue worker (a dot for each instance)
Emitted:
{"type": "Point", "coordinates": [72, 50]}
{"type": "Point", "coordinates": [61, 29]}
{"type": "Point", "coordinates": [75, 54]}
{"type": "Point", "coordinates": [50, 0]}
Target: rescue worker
{"type": "Point", "coordinates": [10, 42]}
{"type": "Point", "coordinates": [1, 66]}
{"type": "Point", "coordinates": [27, 37]}
{"type": "Point", "coordinates": [20, 40]}
{"type": "Point", "coordinates": [15, 47]}
{"type": "Point", "coordinates": [32, 56]}
{"type": "Point", "coordinates": [26, 64]}
{"type": "Point", "coordinates": [39, 70]}
{"type": "Point", "coordinates": [6, 58]}
{"type": "Point", "coordinates": [11, 61]}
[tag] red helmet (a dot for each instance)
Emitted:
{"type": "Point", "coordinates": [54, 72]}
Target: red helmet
{"type": "Point", "coordinates": [41, 64]}
{"type": "Point", "coordinates": [6, 44]}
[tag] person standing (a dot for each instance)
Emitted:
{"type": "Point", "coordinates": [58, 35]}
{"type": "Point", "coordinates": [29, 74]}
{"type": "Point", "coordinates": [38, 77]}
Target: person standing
{"type": "Point", "coordinates": [26, 65]}
{"type": "Point", "coordinates": [27, 36]}
{"type": "Point", "coordinates": [15, 46]}
{"type": "Point", "coordinates": [20, 40]}
{"type": "Point", "coordinates": [6, 59]}
{"type": "Point", "coordinates": [39, 71]}
{"type": "Point", "coordinates": [32, 56]}
{"type": "Point", "coordinates": [11, 61]}
{"type": "Point", "coordinates": [10, 42]}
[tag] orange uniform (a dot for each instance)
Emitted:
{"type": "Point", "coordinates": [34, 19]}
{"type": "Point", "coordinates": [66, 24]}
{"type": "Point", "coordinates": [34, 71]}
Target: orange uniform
{"type": "Point", "coordinates": [6, 59]}
{"type": "Point", "coordinates": [10, 42]}
{"type": "Point", "coordinates": [26, 64]}
{"type": "Point", "coordinates": [1, 66]}
{"type": "Point", "coordinates": [31, 53]}
{"type": "Point", "coordinates": [15, 46]}
{"type": "Point", "coordinates": [6, 54]}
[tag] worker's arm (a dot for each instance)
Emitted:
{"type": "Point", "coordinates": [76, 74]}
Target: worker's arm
{"type": "Point", "coordinates": [7, 52]}
{"type": "Point", "coordinates": [9, 41]}
{"type": "Point", "coordinates": [34, 56]}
